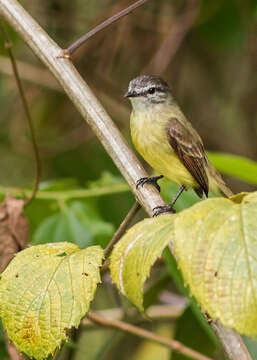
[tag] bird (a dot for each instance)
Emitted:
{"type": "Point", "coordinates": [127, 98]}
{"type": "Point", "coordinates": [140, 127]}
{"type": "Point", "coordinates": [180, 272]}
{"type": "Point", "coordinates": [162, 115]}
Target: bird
{"type": "Point", "coordinates": [168, 142]}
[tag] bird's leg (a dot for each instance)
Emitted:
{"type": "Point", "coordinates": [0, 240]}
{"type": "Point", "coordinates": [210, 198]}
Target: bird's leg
{"type": "Point", "coordinates": [149, 180]}
{"type": "Point", "coordinates": [158, 210]}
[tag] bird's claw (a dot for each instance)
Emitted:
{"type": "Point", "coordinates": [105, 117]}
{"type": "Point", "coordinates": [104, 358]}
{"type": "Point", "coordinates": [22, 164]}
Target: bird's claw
{"type": "Point", "coordinates": [158, 210]}
{"type": "Point", "coordinates": [142, 182]}
{"type": "Point", "coordinates": [149, 180]}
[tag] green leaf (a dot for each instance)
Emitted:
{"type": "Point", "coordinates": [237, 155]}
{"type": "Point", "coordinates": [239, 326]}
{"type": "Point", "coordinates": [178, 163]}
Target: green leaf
{"type": "Point", "coordinates": [79, 224]}
{"type": "Point", "coordinates": [136, 252]}
{"type": "Point", "coordinates": [179, 282]}
{"type": "Point", "coordinates": [234, 165]}
{"type": "Point", "coordinates": [216, 246]}
{"type": "Point", "coordinates": [100, 230]}
{"type": "Point", "coordinates": [215, 243]}
{"type": "Point", "coordinates": [64, 227]}
{"type": "Point", "coordinates": [44, 294]}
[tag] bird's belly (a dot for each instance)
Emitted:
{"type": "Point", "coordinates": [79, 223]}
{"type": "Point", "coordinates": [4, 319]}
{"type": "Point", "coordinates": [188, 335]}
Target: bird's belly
{"type": "Point", "coordinates": [156, 150]}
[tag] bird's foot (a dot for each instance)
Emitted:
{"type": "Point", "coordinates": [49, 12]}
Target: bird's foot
{"type": "Point", "coordinates": [149, 180]}
{"type": "Point", "coordinates": [158, 210]}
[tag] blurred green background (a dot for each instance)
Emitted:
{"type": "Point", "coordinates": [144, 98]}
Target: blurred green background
{"type": "Point", "coordinates": [206, 50]}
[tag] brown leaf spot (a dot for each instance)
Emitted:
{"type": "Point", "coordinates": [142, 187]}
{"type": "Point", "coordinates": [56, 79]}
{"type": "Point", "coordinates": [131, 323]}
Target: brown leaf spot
{"type": "Point", "coordinates": [208, 318]}
{"type": "Point", "coordinates": [29, 332]}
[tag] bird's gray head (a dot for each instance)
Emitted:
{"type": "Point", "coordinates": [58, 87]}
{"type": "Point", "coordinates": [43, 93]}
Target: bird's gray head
{"type": "Point", "coordinates": [146, 90]}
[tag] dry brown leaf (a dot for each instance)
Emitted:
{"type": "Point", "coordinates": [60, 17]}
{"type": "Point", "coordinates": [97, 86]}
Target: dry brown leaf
{"type": "Point", "coordinates": [14, 228]}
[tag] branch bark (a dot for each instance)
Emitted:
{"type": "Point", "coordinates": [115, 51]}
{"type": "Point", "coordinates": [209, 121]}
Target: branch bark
{"type": "Point", "coordinates": [102, 125]}
{"type": "Point", "coordinates": [145, 334]}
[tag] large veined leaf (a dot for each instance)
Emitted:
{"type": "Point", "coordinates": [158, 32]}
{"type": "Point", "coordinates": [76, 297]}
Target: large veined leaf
{"type": "Point", "coordinates": [215, 243]}
{"type": "Point", "coordinates": [216, 247]}
{"type": "Point", "coordinates": [46, 290]}
{"type": "Point", "coordinates": [134, 255]}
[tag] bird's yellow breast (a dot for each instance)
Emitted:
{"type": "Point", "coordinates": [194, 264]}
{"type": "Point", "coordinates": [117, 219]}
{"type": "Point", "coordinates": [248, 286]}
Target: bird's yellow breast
{"type": "Point", "coordinates": [148, 131]}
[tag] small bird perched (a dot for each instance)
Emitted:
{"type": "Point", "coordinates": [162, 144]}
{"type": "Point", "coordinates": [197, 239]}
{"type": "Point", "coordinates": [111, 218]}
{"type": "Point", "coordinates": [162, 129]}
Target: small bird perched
{"type": "Point", "coordinates": [168, 142]}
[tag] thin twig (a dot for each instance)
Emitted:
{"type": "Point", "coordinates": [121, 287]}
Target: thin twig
{"type": "Point", "coordinates": [8, 46]}
{"type": "Point", "coordinates": [154, 312]}
{"type": "Point", "coordinates": [145, 334]}
{"type": "Point", "coordinates": [93, 112]}
{"type": "Point", "coordinates": [73, 47]}
{"type": "Point", "coordinates": [122, 228]}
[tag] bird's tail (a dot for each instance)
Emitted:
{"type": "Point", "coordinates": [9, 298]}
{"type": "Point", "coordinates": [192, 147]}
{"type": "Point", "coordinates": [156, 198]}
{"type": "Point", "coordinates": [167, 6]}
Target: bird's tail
{"type": "Point", "coordinates": [224, 189]}
{"type": "Point", "coordinates": [219, 183]}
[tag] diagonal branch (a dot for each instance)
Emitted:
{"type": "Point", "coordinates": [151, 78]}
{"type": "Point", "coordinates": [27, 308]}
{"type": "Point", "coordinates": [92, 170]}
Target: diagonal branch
{"type": "Point", "coordinates": [145, 334]}
{"type": "Point", "coordinates": [93, 112]}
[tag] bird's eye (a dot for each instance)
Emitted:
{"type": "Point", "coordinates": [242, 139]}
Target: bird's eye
{"type": "Point", "coordinates": [151, 90]}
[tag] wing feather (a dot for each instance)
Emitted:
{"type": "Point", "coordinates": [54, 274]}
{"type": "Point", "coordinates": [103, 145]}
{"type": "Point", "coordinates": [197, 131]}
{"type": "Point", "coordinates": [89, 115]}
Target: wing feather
{"type": "Point", "coordinates": [188, 146]}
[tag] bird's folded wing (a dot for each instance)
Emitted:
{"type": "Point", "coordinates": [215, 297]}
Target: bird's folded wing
{"type": "Point", "coordinates": [188, 147]}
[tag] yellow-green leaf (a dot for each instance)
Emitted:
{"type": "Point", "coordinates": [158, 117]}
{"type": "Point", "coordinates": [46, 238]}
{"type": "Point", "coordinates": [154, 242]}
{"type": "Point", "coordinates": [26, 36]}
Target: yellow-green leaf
{"type": "Point", "coordinates": [216, 248]}
{"type": "Point", "coordinates": [45, 291]}
{"type": "Point", "coordinates": [136, 252]}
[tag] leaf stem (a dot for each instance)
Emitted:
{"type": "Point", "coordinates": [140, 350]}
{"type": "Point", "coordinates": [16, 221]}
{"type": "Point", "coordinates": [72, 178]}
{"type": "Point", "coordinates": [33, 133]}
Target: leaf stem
{"type": "Point", "coordinates": [145, 334]}
{"type": "Point", "coordinates": [68, 194]}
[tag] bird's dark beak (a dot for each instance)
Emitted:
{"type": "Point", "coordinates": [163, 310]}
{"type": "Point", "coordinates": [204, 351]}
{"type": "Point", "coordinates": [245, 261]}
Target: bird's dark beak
{"type": "Point", "coordinates": [130, 94]}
